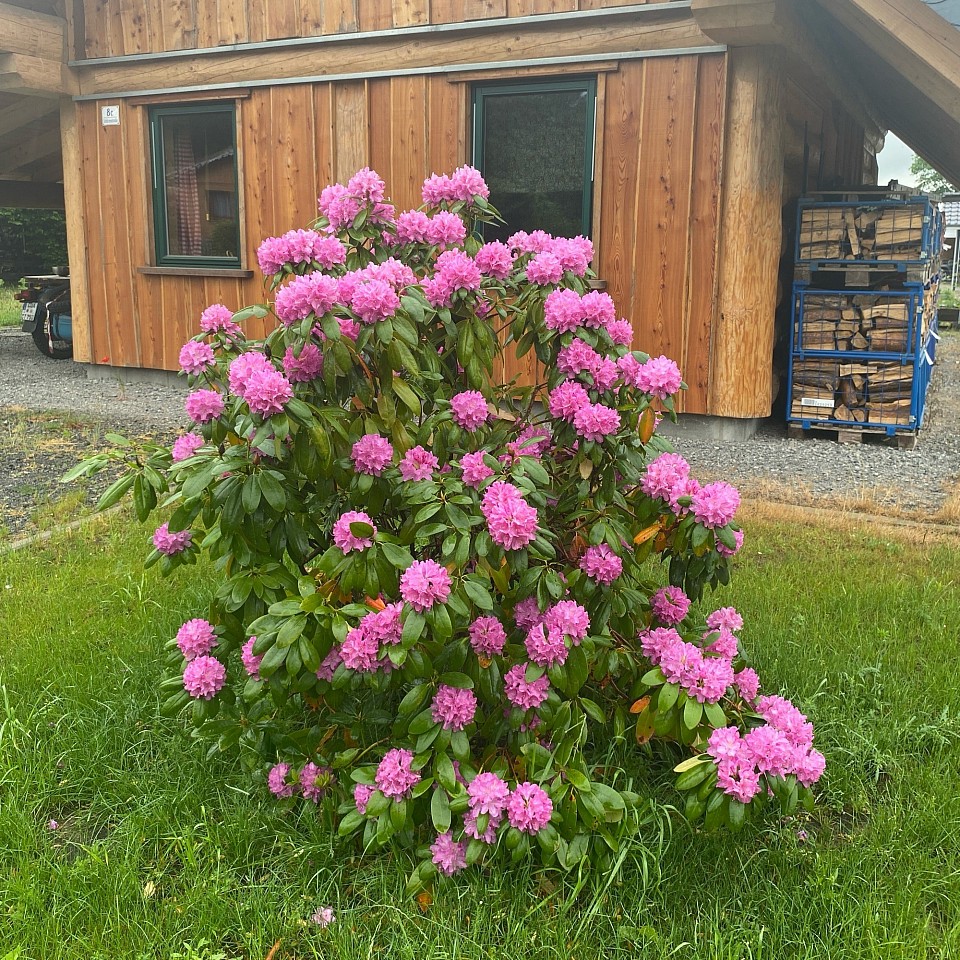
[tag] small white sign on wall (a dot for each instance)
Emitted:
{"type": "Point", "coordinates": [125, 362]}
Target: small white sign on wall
{"type": "Point", "coordinates": [110, 116]}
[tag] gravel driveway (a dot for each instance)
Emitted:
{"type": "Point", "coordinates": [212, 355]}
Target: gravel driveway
{"type": "Point", "coordinates": [38, 447]}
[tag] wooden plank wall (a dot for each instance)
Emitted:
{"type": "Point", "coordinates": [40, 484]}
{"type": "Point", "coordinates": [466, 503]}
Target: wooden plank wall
{"type": "Point", "coordinates": [293, 140]}
{"type": "Point", "coordinates": [121, 27]}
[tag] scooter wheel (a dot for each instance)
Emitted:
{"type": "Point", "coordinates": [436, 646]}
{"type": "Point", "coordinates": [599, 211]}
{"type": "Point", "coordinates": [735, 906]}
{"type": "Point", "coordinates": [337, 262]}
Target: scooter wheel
{"type": "Point", "coordinates": [60, 350]}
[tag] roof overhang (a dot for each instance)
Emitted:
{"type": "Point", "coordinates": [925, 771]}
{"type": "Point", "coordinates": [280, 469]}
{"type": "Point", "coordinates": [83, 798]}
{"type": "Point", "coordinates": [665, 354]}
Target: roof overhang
{"type": "Point", "coordinates": [894, 62]}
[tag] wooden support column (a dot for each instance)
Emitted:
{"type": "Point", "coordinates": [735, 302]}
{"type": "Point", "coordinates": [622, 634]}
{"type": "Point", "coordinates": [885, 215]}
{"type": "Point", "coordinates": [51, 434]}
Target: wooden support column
{"type": "Point", "coordinates": [76, 235]}
{"type": "Point", "coordinates": [741, 376]}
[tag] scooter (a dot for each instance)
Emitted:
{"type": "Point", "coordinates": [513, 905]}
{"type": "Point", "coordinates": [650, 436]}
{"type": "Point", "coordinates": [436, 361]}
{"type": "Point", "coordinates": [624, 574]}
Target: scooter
{"type": "Point", "coordinates": [45, 313]}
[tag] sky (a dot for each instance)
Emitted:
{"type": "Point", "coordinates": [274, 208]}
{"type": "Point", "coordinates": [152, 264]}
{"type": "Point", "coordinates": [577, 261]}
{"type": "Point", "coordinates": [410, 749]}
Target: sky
{"type": "Point", "coordinates": [894, 161]}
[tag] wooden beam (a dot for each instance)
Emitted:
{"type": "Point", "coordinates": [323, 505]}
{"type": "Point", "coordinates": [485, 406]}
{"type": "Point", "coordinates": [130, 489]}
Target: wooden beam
{"type": "Point", "coordinates": [741, 369]}
{"type": "Point", "coordinates": [668, 30]}
{"type": "Point", "coordinates": [33, 34]}
{"type": "Point", "coordinates": [73, 184]}
{"type": "Point", "coordinates": [22, 74]}
{"type": "Point", "coordinates": [20, 153]}
{"type": "Point", "coordinates": [25, 110]}
{"type": "Point", "coordinates": [740, 23]}
{"type": "Point", "coordinates": [18, 193]}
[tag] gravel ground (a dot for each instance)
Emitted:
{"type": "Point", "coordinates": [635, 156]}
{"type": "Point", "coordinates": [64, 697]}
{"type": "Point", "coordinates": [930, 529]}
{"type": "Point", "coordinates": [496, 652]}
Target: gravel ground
{"type": "Point", "coordinates": [39, 447]}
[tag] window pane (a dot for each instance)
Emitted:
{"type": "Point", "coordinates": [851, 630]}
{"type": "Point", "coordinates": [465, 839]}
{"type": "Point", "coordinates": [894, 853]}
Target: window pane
{"type": "Point", "coordinates": [534, 159]}
{"type": "Point", "coordinates": [200, 194]}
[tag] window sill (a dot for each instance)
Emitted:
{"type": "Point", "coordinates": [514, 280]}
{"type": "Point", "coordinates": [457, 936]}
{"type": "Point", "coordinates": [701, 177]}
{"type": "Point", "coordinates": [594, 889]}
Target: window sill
{"type": "Point", "coordinates": [196, 272]}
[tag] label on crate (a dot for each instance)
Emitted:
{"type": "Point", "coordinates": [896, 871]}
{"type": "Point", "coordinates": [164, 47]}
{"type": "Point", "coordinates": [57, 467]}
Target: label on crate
{"type": "Point", "coordinates": [816, 402]}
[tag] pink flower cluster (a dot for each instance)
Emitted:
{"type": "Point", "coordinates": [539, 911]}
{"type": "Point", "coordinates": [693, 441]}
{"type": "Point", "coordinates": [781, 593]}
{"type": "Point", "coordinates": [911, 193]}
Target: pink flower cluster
{"type": "Point", "coordinates": [566, 310]}
{"type": "Point", "coordinates": [195, 357]}
{"type": "Point", "coordinates": [669, 605]}
{"type": "Point", "coordinates": [204, 677]}
{"type": "Point", "coordinates": [578, 358]}
{"type": "Point", "coordinates": [304, 366]}
{"type": "Point", "coordinates": [465, 184]}
{"type": "Point", "coordinates": [529, 808]}
{"type": "Point", "coordinates": [312, 295]}
{"type": "Point", "coordinates": [658, 376]}
{"type": "Point", "coordinates": [546, 646]}
{"type": "Point", "coordinates": [715, 504]}
{"type": "Point", "coordinates": [449, 856]}
{"type": "Point", "coordinates": [196, 638]}
{"type": "Point", "coordinates": [253, 378]}
{"type": "Point", "coordinates": [441, 230]}
{"type": "Point", "coordinates": [315, 781]}
{"type": "Point", "coordinates": [345, 539]}
{"type": "Point", "coordinates": [668, 478]}
{"type": "Point", "coordinates": [453, 708]}
{"type": "Point", "coordinates": [300, 247]}
{"type": "Point", "coordinates": [424, 583]}
{"type": "Point", "coordinates": [394, 777]}
{"type": "Point", "coordinates": [475, 470]}
{"type": "Point", "coordinates": [521, 693]}
{"type": "Point", "coordinates": [372, 454]}
{"type": "Point", "coordinates": [595, 421]}
{"type": "Point", "coordinates": [512, 522]}
{"type": "Point", "coordinates": [171, 543]}
{"type": "Point", "coordinates": [495, 260]}
{"type": "Point", "coordinates": [469, 409]}
{"type": "Point", "coordinates": [783, 746]}
{"type": "Point", "coordinates": [202, 406]}
{"type": "Point", "coordinates": [706, 678]}
{"type": "Point", "coordinates": [278, 780]}
{"type": "Point", "coordinates": [600, 563]}
{"type": "Point", "coordinates": [360, 649]}
{"type": "Point", "coordinates": [219, 319]}
{"type": "Point", "coordinates": [418, 464]}
{"type": "Point", "coordinates": [487, 636]}
{"type": "Point", "coordinates": [185, 446]}
{"type": "Point", "coordinates": [571, 253]}
{"type": "Point", "coordinates": [488, 796]}
{"type": "Point", "coordinates": [455, 271]}
{"type": "Point", "coordinates": [340, 204]}
{"type": "Point", "coordinates": [251, 662]}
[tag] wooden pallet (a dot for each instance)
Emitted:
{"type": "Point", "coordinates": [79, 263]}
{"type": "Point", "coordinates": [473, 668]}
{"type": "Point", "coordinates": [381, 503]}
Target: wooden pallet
{"type": "Point", "coordinates": [902, 440]}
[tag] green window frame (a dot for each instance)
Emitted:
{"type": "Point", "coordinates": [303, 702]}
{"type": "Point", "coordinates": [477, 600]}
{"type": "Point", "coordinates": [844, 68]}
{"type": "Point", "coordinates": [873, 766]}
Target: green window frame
{"type": "Point", "coordinates": [485, 96]}
{"type": "Point", "coordinates": [188, 223]}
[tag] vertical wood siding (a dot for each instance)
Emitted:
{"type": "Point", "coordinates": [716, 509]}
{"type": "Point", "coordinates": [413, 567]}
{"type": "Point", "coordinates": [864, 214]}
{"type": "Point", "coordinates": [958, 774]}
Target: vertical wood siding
{"type": "Point", "coordinates": [121, 27]}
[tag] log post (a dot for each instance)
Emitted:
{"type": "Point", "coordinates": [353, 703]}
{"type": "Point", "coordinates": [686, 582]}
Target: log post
{"type": "Point", "coordinates": [741, 378]}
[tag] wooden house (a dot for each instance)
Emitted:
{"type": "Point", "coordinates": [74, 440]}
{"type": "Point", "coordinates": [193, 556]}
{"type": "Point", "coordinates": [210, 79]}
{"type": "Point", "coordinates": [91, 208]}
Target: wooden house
{"type": "Point", "coordinates": [675, 133]}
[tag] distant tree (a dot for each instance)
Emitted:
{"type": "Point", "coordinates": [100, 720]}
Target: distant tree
{"type": "Point", "coordinates": [929, 179]}
{"type": "Point", "coordinates": [31, 241]}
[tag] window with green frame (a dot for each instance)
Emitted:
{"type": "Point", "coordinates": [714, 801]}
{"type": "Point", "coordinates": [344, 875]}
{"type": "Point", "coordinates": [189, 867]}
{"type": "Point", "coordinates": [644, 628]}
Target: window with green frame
{"type": "Point", "coordinates": [196, 210]}
{"type": "Point", "coordinates": [534, 144]}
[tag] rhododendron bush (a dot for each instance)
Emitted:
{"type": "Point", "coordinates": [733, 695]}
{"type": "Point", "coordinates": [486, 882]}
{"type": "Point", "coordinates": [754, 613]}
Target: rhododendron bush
{"type": "Point", "coordinates": [440, 607]}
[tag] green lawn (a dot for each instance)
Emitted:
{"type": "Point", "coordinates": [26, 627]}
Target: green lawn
{"type": "Point", "coordinates": [9, 308]}
{"type": "Point", "coordinates": [162, 854]}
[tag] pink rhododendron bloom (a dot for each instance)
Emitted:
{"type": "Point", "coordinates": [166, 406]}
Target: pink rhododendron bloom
{"type": "Point", "coordinates": [724, 743]}
{"type": "Point", "coordinates": [445, 229]}
{"type": "Point", "coordinates": [600, 563]}
{"type": "Point", "coordinates": [195, 357]}
{"type": "Point", "coordinates": [659, 377]}
{"type": "Point", "coordinates": [684, 487]}
{"type": "Point", "coordinates": [323, 917]}
{"type": "Point", "coordinates": [522, 694]}
{"type": "Point", "coordinates": [785, 717]}
{"type": "Point", "coordinates": [526, 613]}
{"type": "Point", "coordinates": [359, 651]}
{"type": "Point", "coordinates": [202, 406]}
{"type": "Point", "coordinates": [384, 625]}
{"type": "Point", "coordinates": [367, 185]}
{"type": "Point", "coordinates": [605, 374]}
{"type": "Point", "coordinates": [467, 182]}
{"type": "Point", "coordinates": [595, 421]}
{"type": "Point", "coordinates": [546, 647]}
{"type": "Point", "coordinates": [171, 543]}
{"type": "Point", "coordinates": [726, 551]}
{"type": "Point", "coordinates": [748, 683]}
{"type": "Point", "coordinates": [567, 399]}
{"type": "Point", "coordinates": [251, 662]}
{"type": "Point", "coordinates": [574, 253]}
{"type": "Point", "coordinates": [681, 662]}
{"type": "Point", "coordinates": [709, 682]}
{"type": "Point", "coordinates": [738, 779]}
{"type": "Point", "coordinates": [374, 300]}
{"type": "Point", "coordinates": [488, 795]}
{"type": "Point", "coordinates": [244, 367]}
{"type": "Point", "coordinates": [810, 767]}
{"type": "Point", "coordinates": [475, 470]}
{"type": "Point", "coordinates": [469, 409]}
{"type": "Point", "coordinates": [394, 778]}
{"type": "Point", "coordinates": [299, 247]}
{"type": "Point", "coordinates": [204, 677]}
{"type": "Point", "coordinates": [598, 309]}
{"type": "Point", "coordinates": [267, 392]}
{"type": "Point", "coordinates": [312, 295]}
{"type": "Point", "coordinates": [495, 260]}
{"type": "Point", "coordinates": [770, 750]}
{"type": "Point", "coordinates": [424, 583]}
{"type": "Point", "coordinates": [278, 780]}
{"type": "Point", "coordinates": [458, 270]}
{"type": "Point", "coordinates": [715, 504]}
{"type": "Point", "coordinates": [412, 226]}
{"type": "Point", "coordinates": [219, 319]}
{"type": "Point", "coordinates": [418, 464]}
{"type": "Point", "coordinates": [724, 643]}
{"type": "Point", "coordinates": [654, 642]}
{"type": "Point", "coordinates": [725, 617]}
{"type": "Point", "coordinates": [487, 636]}
{"type": "Point", "coordinates": [372, 454]}
{"type": "Point", "coordinates": [304, 366]}
{"type": "Point", "coordinates": [185, 446]}
{"type": "Point", "coordinates": [196, 638]}
{"type": "Point", "coordinates": [545, 268]}
{"type": "Point", "coordinates": [577, 358]}
{"type": "Point", "coordinates": [529, 808]}
{"type": "Point", "coordinates": [670, 605]}
{"type": "Point", "coordinates": [329, 664]}
{"type": "Point", "coordinates": [336, 204]}
{"type": "Point", "coordinates": [569, 618]}
{"type": "Point", "coordinates": [512, 522]}
{"type": "Point", "coordinates": [437, 189]}
{"type": "Point", "coordinates": [449, 856]}
{"type": "Point", "coordinates": [453, 708]}
{"type": "Point", "coordinates": [563, 310]}
{"type": "Point", "coordinates": [315, 781]}
{"type": "Point", "coordinates": [621, 333]}
{"type": "Point", "coordinates": [362, 793]}
{"type": "Point", "coordinates": [663, 474]}
{"type": "Point", "coordinates": [345, 539]}
{"type": "Point", "coordinates": [489, 835]}
{"type": "Point", "coordinates": [532, 441]}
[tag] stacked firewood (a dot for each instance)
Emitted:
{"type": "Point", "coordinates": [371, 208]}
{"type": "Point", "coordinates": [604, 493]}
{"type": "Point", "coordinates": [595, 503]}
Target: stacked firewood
{"type": "Point", "coordinates": [861, 322]}
{"type": "Point", "coordinates": [858, 233]}
{"type": "Point", "coordinates": [867, 391]}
